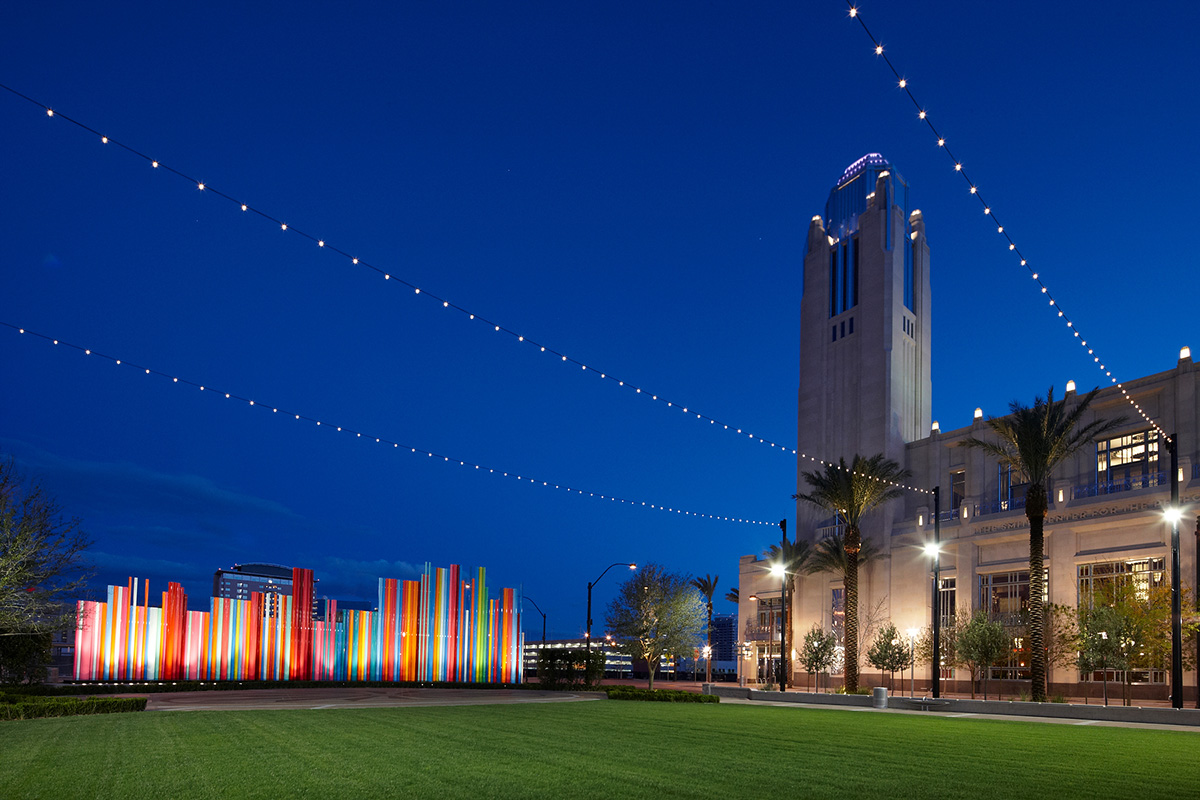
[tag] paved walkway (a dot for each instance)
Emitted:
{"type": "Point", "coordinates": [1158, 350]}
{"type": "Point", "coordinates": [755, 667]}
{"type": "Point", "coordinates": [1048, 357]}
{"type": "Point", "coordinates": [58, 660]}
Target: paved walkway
{"type": "Point", "coordinates": [337, 697]}
{"type": "Point", "coordinates": [1007, 717]}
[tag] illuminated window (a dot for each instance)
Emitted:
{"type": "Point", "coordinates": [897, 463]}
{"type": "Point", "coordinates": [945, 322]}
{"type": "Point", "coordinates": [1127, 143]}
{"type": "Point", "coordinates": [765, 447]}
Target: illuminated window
{"type": "Point", "coordinates": [1101, 582]}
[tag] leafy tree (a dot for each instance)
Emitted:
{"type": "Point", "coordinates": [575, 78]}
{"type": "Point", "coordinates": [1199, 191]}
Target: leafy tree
{"type": "Point", "coordinates": [794, 557]}
{"type": "Point", "coordinates": [1146, 615]}
{"type": "Point", "coordinates": [947, 640]}
{"type": "Point", "coordinates": [889, 652]}
{"type": "Point", "coordinates": [851, 491]}
{"type": "Point", "coordinates": [818, 652]}
{"type": "Point", "coordinates": [707, 586]}
{"type": "Point", "coordinates": [1032, 441]}
{"type": "Point", "coordinates": [24, 657]}
{"type": "Point", "coordinates": [1104, 637]}
{"type": "Point", "coordinates": [980, 644]}
{"type": "Point", "coordinates": [655, 613]}
{"type": "Point", "coordinates": [1062, 635]}
{"type": "Point", "coordinates": [40, 567]}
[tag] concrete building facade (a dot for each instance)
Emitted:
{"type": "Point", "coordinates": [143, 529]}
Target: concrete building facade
{"type": "Point", "coordinates": [868, 390]}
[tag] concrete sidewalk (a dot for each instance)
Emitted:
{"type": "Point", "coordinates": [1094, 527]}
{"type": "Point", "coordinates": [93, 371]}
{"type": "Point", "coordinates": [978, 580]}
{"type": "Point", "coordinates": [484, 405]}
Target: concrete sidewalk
{"type": "Point", "coordinates": [1160, 718]}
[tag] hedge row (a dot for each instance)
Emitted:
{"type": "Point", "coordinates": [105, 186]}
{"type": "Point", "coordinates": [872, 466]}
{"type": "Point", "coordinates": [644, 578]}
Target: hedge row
{"type": "Point", "coordinates": [658, 695]}
{"type": "Point", "coordinates": [26, 707]}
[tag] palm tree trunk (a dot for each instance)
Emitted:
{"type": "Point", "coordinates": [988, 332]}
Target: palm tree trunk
{"type": "Point", "coordinates": [1035, 510]}
{"type": "Point", "coordinates": [853, 543]}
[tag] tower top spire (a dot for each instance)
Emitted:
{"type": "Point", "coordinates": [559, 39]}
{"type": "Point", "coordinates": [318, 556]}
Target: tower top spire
{"type": "Point", "coordinates": [854, 170]}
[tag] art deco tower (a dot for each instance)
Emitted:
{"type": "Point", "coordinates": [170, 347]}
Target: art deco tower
{"type": "Point", "coordinates": [865, 321]}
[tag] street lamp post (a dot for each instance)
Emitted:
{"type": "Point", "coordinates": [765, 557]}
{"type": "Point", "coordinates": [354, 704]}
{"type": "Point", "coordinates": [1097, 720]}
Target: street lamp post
{"type": "Point", "coordinates": [784, 661]}
{"type": "Point", "coordinates": [1173, 514]}
{"type": "Point", "coordinates": [589, 606]}
{"type": "Point", "coordinates": [543, 613]}
{"type": "Point", "coordinates": [935, 551]}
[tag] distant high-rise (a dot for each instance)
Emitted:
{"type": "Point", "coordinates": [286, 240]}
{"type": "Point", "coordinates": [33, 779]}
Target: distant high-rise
{"type": "Point", "coordinates": [865, 382]}
{"type": "Point", "coordinates": [238, 582]}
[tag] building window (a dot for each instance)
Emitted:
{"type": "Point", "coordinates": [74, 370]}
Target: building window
{"type": "Point", "coordinates": [946, 601]}
{"type": "Point", "coordinates": [958, 488]}
{"type": "Point", "coordinates": [1005, 596]}
{"type": "Point", "coordinates": [1101, 581]}
{"type": "Point", "coordinates": [1128, 462]}
{"type": "Point", "coordinates": [770, 613]}
{"type": "Point", "coordinates": [1139, 584]}
{"type": "Point", "coordinates": [1010, 493]}
{"type": "Point", "coordinates": [909, 258]}
{"type": "Point", "coordinates": [843, 275]}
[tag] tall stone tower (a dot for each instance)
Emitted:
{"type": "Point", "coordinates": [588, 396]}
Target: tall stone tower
{"type": "Point", "coordinates": [865, 321]}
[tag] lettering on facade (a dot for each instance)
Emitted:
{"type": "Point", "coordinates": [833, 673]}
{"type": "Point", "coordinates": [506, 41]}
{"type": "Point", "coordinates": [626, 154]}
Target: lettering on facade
{"type": "Point", "coordinates": [1105, 511]}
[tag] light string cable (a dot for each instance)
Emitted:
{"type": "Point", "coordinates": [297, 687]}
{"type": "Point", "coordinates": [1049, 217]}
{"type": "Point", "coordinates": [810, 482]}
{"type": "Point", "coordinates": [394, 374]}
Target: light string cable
{"type": "Point", "coordinates": [248, 402]}
{"type": "Point", "coordinates": [904, 84]}
{"type": "Point", "coordinates": [321, 243]}
{"type": "Point", "coordinates": [387, 276]}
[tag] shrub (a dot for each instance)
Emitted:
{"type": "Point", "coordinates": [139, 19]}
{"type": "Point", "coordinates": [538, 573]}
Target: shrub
{"type": "Point", "coordinates": [569, 669]}
{"type": "Point", "coordinates": [29, 707]}
{"type": "Point", "coordinates": [658, 695]}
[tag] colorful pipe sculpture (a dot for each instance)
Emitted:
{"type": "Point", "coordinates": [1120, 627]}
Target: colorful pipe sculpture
{"type": "Point", "coordinates": [443, 627]}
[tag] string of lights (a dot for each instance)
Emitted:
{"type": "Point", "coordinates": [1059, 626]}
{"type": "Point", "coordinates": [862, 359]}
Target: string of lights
{"type": "Point", "coordinates": [988, 212]}
{"type": "Point", "coordinates": [387, 276]}
{"type": "Point", "coordinates": [392, 278]}
{"type": "Point", "coordinates": [251, 403]}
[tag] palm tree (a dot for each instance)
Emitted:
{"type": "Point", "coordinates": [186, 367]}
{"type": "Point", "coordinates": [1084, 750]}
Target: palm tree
{"type": "Point", "coordinates": [829, 555]}
{"type": "Point", "coordinates": [1032, 441]}
{"type": "Point", "coordinates": [707, 586]}
{"type": "Point", "coordinates": [733, 596]}
{"type": "Point", "coordinates": [795, 557]}
{"type": "Point", "coordinates": [850, 492]}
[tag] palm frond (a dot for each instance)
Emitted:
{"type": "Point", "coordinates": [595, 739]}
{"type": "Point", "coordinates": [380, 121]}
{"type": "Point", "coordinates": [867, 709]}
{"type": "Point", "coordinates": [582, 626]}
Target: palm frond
{"type": "Point", "coordinates": [829, 555]}
{"type": "Point", "coordinates": [706, 586]}
{"type": "Point", "coordinates": [850, 491]}
{"type": "Point", "coordinates": [1034, 440]}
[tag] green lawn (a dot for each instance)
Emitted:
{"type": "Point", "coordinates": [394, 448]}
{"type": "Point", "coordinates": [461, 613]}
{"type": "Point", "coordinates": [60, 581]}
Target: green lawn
{"type": "Point", "coordinates": [591, 749]}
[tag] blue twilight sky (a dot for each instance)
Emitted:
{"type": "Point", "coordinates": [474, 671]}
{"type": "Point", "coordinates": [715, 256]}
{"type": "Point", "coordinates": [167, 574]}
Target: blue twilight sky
{"type": "Point", "coordinates": [627, 183]}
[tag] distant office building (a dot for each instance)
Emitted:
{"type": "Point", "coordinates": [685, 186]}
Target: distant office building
{"type": "Point", "coordinates": [724, 637]}
{"type": "Point", "coordinates": [615, 664]}
{"type": "Point", "coordinates": [240, 580]}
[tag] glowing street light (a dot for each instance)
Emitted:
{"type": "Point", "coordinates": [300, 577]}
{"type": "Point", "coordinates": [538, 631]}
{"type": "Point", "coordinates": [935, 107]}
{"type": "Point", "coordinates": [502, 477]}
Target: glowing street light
{"type": "Point", "coordinates": [1173, 513]}
{"type": "Point", "coordinates": [589, 606]}
{"type": "Point", "coordinates": [933, 549]}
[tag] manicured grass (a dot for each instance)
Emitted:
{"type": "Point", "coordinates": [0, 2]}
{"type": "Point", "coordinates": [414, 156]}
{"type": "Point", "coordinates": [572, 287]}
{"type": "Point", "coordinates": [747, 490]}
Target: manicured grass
{"type": "Point", "coordinates": [589, 749]}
